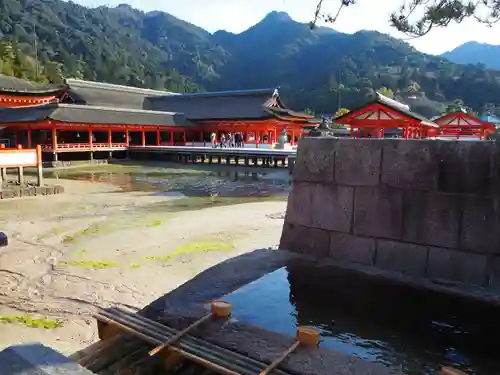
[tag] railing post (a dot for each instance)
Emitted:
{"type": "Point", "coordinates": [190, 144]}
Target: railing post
{"type": "Point", "coordinates": [20, 176]}
{"type": "Point", "coordinates": [39, 165]}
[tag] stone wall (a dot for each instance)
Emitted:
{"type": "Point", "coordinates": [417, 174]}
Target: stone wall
{"type": "Point", "coordinates": [418, 207]}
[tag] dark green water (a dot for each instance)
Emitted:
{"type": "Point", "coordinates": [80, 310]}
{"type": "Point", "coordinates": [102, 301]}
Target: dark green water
{"type": "Point", "coordinates": [399, 327]}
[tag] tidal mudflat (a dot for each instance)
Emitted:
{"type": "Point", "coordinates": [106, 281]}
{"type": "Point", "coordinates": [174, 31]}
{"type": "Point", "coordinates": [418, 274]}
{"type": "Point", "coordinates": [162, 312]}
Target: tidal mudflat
{"type": "Point", "coordinates": [124, 235]}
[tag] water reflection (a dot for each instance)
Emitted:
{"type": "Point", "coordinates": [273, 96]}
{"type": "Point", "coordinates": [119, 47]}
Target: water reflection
{"type": "Point", "coordinates": [399, 327]}
{"type": "Point", "coordinates": [211, 182]}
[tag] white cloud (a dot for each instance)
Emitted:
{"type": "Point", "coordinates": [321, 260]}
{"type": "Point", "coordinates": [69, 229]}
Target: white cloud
{"type": "Point", "coordinates": [238, 15]}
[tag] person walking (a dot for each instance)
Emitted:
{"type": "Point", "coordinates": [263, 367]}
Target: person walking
{"type": "Point", "coordinates": [213, 139]}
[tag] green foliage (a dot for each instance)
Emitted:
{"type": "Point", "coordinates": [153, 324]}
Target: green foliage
{"type": "Point", "coordinates": [433, 13]}
{"type": "Point", "coordinates": [342, 111]}
{"type": "Point", "coordinates": [386, 92]}
{"type": "Point", "coordinates": [31, 322]}
{"type": "Point", "coordinates": [320, 69]}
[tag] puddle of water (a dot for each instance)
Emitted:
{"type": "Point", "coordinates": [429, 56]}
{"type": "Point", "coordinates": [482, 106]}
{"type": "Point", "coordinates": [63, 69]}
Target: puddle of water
{"type": "Point", "coordinates": [198, 187]}
{"type": "Point", "coordinates": [407, 330]}
{"type": "Point", "coordinates": [211, 181]}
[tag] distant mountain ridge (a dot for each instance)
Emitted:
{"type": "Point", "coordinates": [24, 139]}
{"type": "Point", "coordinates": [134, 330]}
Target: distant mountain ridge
{"type": "Point", "coordinates": [315, 69]}
{"type": "Point", "coordinates": [475, 53]}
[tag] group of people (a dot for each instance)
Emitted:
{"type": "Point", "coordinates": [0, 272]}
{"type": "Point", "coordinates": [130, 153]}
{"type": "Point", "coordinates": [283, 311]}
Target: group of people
{"type": "Point", "coordinates": [227, 140]}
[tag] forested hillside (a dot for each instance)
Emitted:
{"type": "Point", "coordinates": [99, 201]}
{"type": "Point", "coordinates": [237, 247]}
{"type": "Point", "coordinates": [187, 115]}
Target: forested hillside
{"type": "Point", "coordinates": [156, 50]}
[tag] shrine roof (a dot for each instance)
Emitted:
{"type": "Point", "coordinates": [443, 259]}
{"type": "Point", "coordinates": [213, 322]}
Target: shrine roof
{"type": "Point", "coordinates": [109, 95]}
{"type": "Point", "coordinates": [453, 119]}
{"type": "Point", "coordinates": [73, 113]}
{"type": "Point", "coordinates": [402, 108]}
{"type": "Point", "coordinates": [13, 85]}
{"type": "Point", "coordinates": [227, 105]}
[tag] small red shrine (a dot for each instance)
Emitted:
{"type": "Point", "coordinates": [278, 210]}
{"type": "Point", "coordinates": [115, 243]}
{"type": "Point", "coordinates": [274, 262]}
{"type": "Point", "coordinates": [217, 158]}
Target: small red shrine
{"type": "Point", "coordinates": [83, 116]}
{"type": "Point", "coordinates": [376, 117]}
{"type": "Point", "coordinates": [462, 125]}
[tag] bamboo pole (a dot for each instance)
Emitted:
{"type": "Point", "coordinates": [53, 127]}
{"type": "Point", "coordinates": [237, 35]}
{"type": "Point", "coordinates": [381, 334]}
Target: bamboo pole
{"type": "Point", "coordinates": [189, 341]}
{"type": "Point", "coordinates": [280, 359]}
{"type": "Point", "coordinates": [177, 336]}
{"type": "Point", "coordinates": [222, 367]}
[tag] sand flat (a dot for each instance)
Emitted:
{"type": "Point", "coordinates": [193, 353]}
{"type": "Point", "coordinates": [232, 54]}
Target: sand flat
{"type": "Point", "coordinates": [94, 246]}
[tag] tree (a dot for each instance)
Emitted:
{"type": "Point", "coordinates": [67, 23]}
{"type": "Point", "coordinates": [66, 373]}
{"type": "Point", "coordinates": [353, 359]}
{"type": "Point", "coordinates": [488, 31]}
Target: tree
{"type": "Point", "coordinates": [386, 92]}
{"type": "Point", "coordinates": [456, 106]}
{"type": "Point", "coordinates": [341, 112]}
{"type": "Point", "coordinates": [433, 13]}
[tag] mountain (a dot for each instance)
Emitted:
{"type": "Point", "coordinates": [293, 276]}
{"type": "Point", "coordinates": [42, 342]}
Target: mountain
{"type": "Point", "coordinates": [475, 53]}
{"type": "Point", "coordinates": [313, 68]}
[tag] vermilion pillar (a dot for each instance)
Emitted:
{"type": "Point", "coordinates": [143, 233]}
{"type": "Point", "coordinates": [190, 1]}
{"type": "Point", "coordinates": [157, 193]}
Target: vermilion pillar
{"type": "Point", "coordinates": [143, 138]}
{"type": "Point", "coordinates": [29, 137]}
{"type": "Point", "coordinates": [91, 141]}
{"type": "Point", "coordinates": [172, 137]}
{"type": "Point", "coordinates": [54, 139]}
{"type": "Point", "coordinates": [126, 137]}
{"type": "Point", "coordinates": [158, 138]}
{"type": "Point", "coordinates": [110, 137]}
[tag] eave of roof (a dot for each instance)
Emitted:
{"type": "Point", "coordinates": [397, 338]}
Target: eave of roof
{"type": "Point", "coordinates": [12, 85]}
{"type": "Point", "coordinates": [401, 109]}
{"type": "Point", "coordinates": [71, 82]}
{"type": "Point", "coordinates": [72, 113]}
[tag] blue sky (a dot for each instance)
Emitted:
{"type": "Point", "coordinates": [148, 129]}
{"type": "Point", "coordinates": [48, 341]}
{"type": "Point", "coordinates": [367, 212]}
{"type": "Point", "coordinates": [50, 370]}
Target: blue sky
{"type": "Point", "coordinates": [238, 15]}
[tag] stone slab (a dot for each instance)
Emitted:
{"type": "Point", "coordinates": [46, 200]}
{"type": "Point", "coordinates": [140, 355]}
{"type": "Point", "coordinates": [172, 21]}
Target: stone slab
{"type": "Point", "coordinates": [349, 248]}
{"type": "Point", "coordinates": [465, 167]}
{"type": "Point", "coordinates": [315, 160]}
{"type": "Point", "coordinates": [480, 225]}
{"type": "Point", "coordinates": [411, 164]}
{"type": "Point", "coordinates": [431, 218]}
{"type": "Point", "coordinates": [305, 240]}
{"type": "Point", "coordinates": [299, 203]}
{"type": "Point", "coordinates": [378, 212]}
{"type": "Point", "coordinates": [457, 266]}
{"type": "Point", "coordinates": [37, 359]}
{"type": "Point", "coordinates": [357, 162]}
{"type": "Point", "coordinates": [403, 257]}
{"type": "Point", "coordinates": [331, 208]}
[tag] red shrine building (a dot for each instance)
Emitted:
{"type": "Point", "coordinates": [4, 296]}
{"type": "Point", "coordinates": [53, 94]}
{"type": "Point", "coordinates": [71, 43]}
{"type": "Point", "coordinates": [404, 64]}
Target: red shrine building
{"type": "Point", "coordinates": [383, 115]}
{"type": "Point", "coordinates": [83, 116]}
{"type": "Point", "coordinates": [461, 125]}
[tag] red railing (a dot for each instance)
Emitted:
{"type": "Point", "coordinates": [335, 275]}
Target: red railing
{"type": "Point", "coordinates": [84, 146]}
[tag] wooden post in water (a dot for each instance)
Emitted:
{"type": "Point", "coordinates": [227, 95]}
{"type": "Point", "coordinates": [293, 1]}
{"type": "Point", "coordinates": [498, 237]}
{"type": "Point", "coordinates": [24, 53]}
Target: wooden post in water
{"type": "Point", "coordinates": [20, 176]}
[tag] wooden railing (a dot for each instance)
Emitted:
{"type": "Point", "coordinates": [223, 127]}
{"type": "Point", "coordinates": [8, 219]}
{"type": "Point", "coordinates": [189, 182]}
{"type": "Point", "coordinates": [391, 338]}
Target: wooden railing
{"type": "Point", "coordinates": [84, 146]}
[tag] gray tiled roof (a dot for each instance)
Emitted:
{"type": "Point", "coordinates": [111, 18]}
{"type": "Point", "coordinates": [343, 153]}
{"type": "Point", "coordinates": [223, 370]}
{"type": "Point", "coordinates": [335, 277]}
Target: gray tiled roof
{"type": "Point", "coordinates": [91, 114]}
{"type": "Point", "coordinates": [13, 84]}
{"type": "Point", "coordinates": [109, 95]}
{"type": "Point", "coordinates": [222, 105]}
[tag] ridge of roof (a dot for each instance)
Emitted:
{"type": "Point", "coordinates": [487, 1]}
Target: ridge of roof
{"type": "Point", "coordinates": [72, 82]}
{"type": "Point", "coordinates": [102, 108]}
{"type": "Point", "coordinates": [270, 91]}
{"type": "Point", "coordinates": [17, 85]}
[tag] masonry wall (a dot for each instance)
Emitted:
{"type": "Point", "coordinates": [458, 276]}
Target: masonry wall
{"type": "Point", "coordinates": [420, 207]}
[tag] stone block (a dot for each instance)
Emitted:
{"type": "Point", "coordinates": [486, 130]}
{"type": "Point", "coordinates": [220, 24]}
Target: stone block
{"type": "Point", "coordinates": [28, 192]}
{"type": "Point", "coordinates": [332, 207]}
{"type": "Point", "coordinates": [378, 212]}
{"type": "Point", "coordinates": [480, 230]}
{"type": "Point", "coordinates": [315, 160]}
{"type": "Point", "coordinates": [7, 194]}
{"type": "Point", "coordinates": [16, 192]}
{"type": "Point", "coordinates": [349, 248]}
{"type": "Point", "coordinates": [431, 218]}
{"type": "Point", "coordinates": [305, 240]}
{"type": "Point", "coordinates": [49, 190]}
{"type": "Point", "coordinates": [58, 189]}
{"type": "Point", "coordinates": [40, 190]}
{"type": "Point", "coordinates": [465, 167]}
{"type": "Point", "coordinates": [37, 359]}
{"type": "Point", "coordinates": [402, 256]}
{"type": "Point", "coordinates": [410, 164]}
{"type": "Point", "coordinates": [299, 203]}
{"type": "Point", "coordinates": [357, 162]}
{"type": "Point", "coordinates": [458, 266]}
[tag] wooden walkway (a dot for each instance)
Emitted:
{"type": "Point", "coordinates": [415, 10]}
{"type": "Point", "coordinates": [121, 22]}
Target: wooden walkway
{"type": "Point", "coordinates": [227, 156]}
